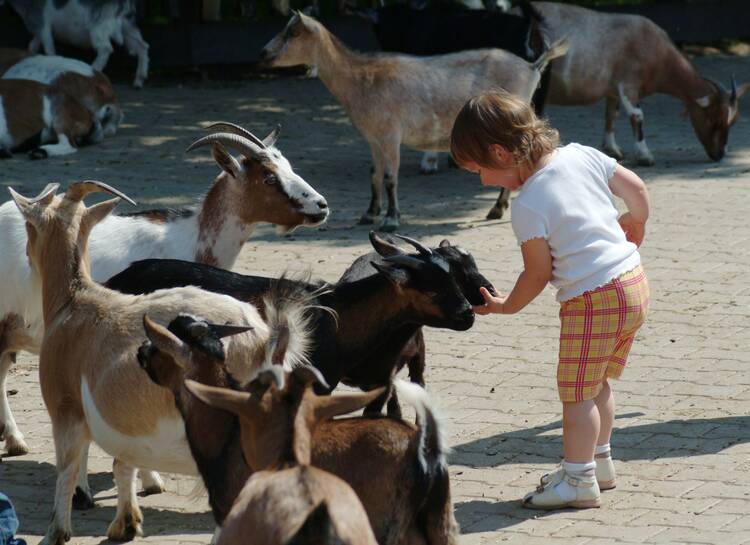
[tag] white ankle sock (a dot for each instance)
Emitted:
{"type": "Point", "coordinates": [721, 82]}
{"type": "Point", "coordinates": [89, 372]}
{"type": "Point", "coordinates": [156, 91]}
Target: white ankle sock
{"type": "Point", "coordinates": [601, 449]}
{"type": "Point", "coordinates": [564, 489]}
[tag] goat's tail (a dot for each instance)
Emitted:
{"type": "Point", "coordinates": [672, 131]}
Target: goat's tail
{"type": "Point", "coordinates": [557, 49]}
{"type": "Point", "coordinates": [435, 512]}
{"type": "Point", "coordinates": [288, 306]}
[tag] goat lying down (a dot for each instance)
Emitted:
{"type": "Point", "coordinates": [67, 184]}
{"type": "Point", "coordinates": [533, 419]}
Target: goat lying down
{"type": "Point", "coordinates": [85, 24]}
{"type": "Point", "coordinates": [32, 115]}
{"type": "Point", "coordinates": [393, 99]}
{"type": "Point", "coordinates": [257, 186]}
{"type": "Point", "coordinates": [79, 81]}
{"type": "Point", "coordinates": [90, 379]}
{"type": "Point", "coordinates": [10, 56]}
{"type": "Point", "coordinates": [623, 58]}
{"type": "Point", "coordinates": [410, 501]}
{"type": "Point", "coordinates": [375, 314]}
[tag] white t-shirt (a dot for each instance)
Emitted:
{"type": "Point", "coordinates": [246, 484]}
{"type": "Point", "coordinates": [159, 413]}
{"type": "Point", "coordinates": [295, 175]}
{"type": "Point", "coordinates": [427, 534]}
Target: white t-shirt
{"type": "Point", "coordinates": [568, 203]}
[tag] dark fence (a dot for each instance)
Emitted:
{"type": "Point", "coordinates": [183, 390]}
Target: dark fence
{"type": "Point", "coordinates": [185, 40]}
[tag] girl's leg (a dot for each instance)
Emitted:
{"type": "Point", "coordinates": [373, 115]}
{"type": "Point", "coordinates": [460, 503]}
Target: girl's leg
{"type": "Point", "coordinates": [580, 431]}
{"type": "Point", "coordinates": [605, 403]}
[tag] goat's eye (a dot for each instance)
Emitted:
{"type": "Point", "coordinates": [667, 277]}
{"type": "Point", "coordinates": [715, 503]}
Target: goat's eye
{"type": "Point", "coordinates": [271, 179]}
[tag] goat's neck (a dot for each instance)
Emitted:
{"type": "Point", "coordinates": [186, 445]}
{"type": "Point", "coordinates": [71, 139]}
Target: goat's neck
{"type": "Point", "coordinates": [66, 273]}
{"type": "Point", "coordinates": [339, 68]}
{"type": "Point", "coordinates": [678, 78]}
{"type": "Point", "coordinates": [370, 312]}
{"type": "Point", "coordinates": [221, 229]}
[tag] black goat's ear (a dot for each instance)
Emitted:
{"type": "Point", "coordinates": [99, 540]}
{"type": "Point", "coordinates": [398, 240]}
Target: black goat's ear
{"type": "Point", "coordinates": [384, 247]}
{"type": "Point", "coordinates": [394, 273]}
{"type": "Point", "coordinates": [445, 242]}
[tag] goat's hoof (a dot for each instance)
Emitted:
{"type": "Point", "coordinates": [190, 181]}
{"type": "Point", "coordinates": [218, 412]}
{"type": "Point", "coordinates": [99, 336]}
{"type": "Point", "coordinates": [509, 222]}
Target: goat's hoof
{"type": "Point", "coordinates": [615, 153]}
{"type": "Point", "coordinates": [152, 483]}
{"type": "Point", "coordinates": [5, 153]}
{"type": "Point", "coordinates": [645, 161]}
{"type": "Point", "coordinates": [138, 84]}
{"type": "Point", "coordinates": [389, 225]}
{"type": "Point", "coordinates": [495, 213]}
{"type": "Point", "coordinates": [366, 219]}
{"type": "Point", "coordinates": [126, 528]}
{"type": "Point", "coordinates": [152, 490]}
{"type": "Point", "coordinates": [427, 170]}
{"type": "Point", "coordinates": [38, 153]}
{"type": "Point", "coordinates": [55, 536]}
{"type": "Point", "coordinates": [15, 446]}
{"type": "Point", "coordinates": [82, 500]}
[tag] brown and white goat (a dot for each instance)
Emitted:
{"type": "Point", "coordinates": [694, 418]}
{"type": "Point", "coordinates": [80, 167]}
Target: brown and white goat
{"type": "Point", "coordinates": [624, 58]}
{"type": "Point", "coordinates": [259, 185]}
{"type": "Point", "coordinates": [393, 98]}
{"type": "Point", "coordinates": [33, 114]}
{"type": "Point", "coordinates": [277, 500]}
{"type": "Point", "coordinates": [79, 80]}
{"type": "Point", "coordinates": [408, 504]}
{"type": "Point", "coordinates": [91, 383]}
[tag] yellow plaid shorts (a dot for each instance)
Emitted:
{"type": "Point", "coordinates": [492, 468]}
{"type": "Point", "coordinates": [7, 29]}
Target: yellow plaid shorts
{"type": "Point", "coordinates": [597, 330]}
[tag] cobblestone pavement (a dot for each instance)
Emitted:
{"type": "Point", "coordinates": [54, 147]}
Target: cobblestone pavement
{"type": "Point", "coordinates": [682, 441]}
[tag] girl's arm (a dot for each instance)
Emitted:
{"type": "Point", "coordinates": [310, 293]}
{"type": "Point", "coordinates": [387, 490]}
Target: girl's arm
{"type": "Point", "coordinates": [537, 271]}
{"type": "Point", "coordinates": [630, 188]}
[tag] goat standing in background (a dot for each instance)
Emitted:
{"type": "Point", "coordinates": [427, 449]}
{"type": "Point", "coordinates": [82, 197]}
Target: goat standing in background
{"type": "Point", "coordinates": [393, 98]}
{"type": "Point", "coordinates": [90, 379]}
{"type": "Point", "coordinates": [258, 186]}
{"type": "Point", "coordinates": [86, 24]}
{"type": "Point", "coordinates": [76, 78]}
{"type": "Point", "coordinates": [624, 58]}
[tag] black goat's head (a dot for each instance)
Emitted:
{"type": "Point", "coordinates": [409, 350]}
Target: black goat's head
{"type": "Point", "coordinates": [427, 281]}
{"type": "Point", "coordinates": [462, 265]}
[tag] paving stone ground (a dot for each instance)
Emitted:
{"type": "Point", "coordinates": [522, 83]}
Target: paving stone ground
{"type": "Point", "coordinates": [682, 442]}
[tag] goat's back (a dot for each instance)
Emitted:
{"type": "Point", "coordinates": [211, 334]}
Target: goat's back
{"type": "Point", "coordinates": [274, 505]}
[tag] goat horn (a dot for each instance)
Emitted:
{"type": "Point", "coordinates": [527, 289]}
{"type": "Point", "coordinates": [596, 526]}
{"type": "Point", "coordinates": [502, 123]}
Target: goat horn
{"type": "Point", "coordinates": [270, 140]}
{"type": "Point", "coordinates": [225, 126]}
{"type": "Point", "coordinates": [45, 196]}
{"type": "Point", "coordinates": [719, 86]}
{"type": "Point", "coordinates": [77, 191]}
{"type": "Point", "coordinates": [307, 374]}
{"type": "Point", "coordinates": [227, 330]}
{"type": "Point", "coordinates": [405, 260]}
{"type": "Point", "coordinates": [234, 141]}
{"type": "Point", "coordinates": [733, 94]}
{"type": "Point", "coordinates": [423, 250]}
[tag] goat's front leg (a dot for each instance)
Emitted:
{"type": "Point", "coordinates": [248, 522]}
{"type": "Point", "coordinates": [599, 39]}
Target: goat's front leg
{"type": "Point", "coordinates": [391, 160]}
{"type": "Point", "coordinates": [70, 436]}
{"type": "Point", "coordinates": [35, 45]}
{"type": "Point", "coordinates": [128, 518]}
{"type": "Point", "coordinates": [610, 114]}
{"type": "Point", "coordinates": [102, 44]}
{"type": "Point", "coordinates": [628, 97]}
{"type": "Point", "coordinates": [429, 163]}
{"type": "Point", "coordinates": [500, 206]}
{"type": "Point", "coordinates": [45, 37]}
{"type": "Point", "coordinates": [137, 47]}
{"type": "Point", "coordinates": [14, 442]}
{"type": "Point", "coordinates": [376, 187]}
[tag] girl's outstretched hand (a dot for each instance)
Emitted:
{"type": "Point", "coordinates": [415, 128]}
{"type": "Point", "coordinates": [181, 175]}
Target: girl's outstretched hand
{"type": "Point", "coordinates": [493, 304]}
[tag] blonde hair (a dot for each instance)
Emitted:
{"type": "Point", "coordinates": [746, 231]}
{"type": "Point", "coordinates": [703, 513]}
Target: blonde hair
{"type": "Point", "coordinates": [500, 118]}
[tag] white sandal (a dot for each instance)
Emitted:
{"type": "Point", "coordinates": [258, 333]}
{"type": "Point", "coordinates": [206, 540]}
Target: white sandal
{"type": "Point", "coordinates": [547, 497]}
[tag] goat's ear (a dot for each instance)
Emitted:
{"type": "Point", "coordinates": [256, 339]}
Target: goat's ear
{"type": "Point", "coordinates": [224, 159]}
{"type": "Point", "coordinates": [398, 276]}
{"type": "Point", "coordinates": [384, 247]}
{"type": "Point", "coordinates": [239, 403]}
{"type": "Point", "coordinates": [317, 528]}
{"type": "Point", "coordinates": [329, 406]}
{"type": "Point", "coordinates": [96, 213]}
{"type": "Point", "coordinates": [445, 242]}
{"type": "Point", "coordinates": [165, 340]}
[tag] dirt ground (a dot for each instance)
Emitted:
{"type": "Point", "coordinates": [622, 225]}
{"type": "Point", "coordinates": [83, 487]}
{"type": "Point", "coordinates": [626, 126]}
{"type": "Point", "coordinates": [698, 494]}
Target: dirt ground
{"type": "Point", "coordinates": [682, 442]}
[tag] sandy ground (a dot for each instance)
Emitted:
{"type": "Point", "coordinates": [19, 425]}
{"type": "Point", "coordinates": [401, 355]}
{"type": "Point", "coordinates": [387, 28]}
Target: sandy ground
{"type": "Point", "coordinates": [684, 420]}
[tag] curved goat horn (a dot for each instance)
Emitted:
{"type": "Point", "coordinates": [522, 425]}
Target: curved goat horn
{"type": "Point", "coordinates": [234, 141]}
{"type": "Point", "coordinates": [733, 93]}
{"type": "Point", "coordinates": [270, 140]}
{"type": "Point", "coordinates": [405, 261]}
{"type": "Point", "coordinates": [77, 191]}
{"type": "Point", "coordinates": [423, 250]}
{"type": "Point", "coordinates": [227, 330]}
{"type": "Point", "coordinates": [225, 126]}
{"type": "Point", "coordinates": [719, 86]}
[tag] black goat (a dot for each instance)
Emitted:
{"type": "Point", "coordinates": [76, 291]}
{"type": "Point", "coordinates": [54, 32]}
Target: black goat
{"type": "Point", "coordinates": [375, 316]}
{"type": "Point", "coordinates": [447, 29]}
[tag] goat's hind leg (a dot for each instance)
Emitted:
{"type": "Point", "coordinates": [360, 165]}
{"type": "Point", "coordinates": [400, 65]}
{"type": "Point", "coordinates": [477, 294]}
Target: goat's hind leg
{"type": "Point", "coordinates": [151, 481]}
{"type": "Point", "coordinates": [429, 162]}
{"type": "Point", "coordinates": [642, 153]}
{"type": "Point", "coordinates": [376, 187]}
{"type": "Point", "coordinates": [127, 523]}
{"type": "Point", "coordinates": [501, 205]}
{"type": "Point", "coordinates": [391, 160]}
{"type": "Point", "coordinates": [611, 110]}
{"type": "Point", "coordinates": [14, 441]}
{"type": "Point", "coordinates": [137, 47]}
{"type": "Point", "coordinates": [82, 498]}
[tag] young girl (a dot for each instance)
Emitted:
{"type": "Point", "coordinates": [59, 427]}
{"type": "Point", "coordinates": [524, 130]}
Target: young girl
{"type": "Point", "coordinates": [566, 223]}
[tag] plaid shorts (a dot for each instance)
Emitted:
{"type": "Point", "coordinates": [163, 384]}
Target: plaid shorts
{"type": "Point", "coordinates": [596, 332]}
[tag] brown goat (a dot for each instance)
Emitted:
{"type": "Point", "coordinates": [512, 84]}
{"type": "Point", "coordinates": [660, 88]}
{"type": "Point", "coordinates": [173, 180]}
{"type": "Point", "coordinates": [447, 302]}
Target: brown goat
{"type": "Point", "coordinates": [409, 503]}
{"type": "Point", "coordinates": [276, 502]}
